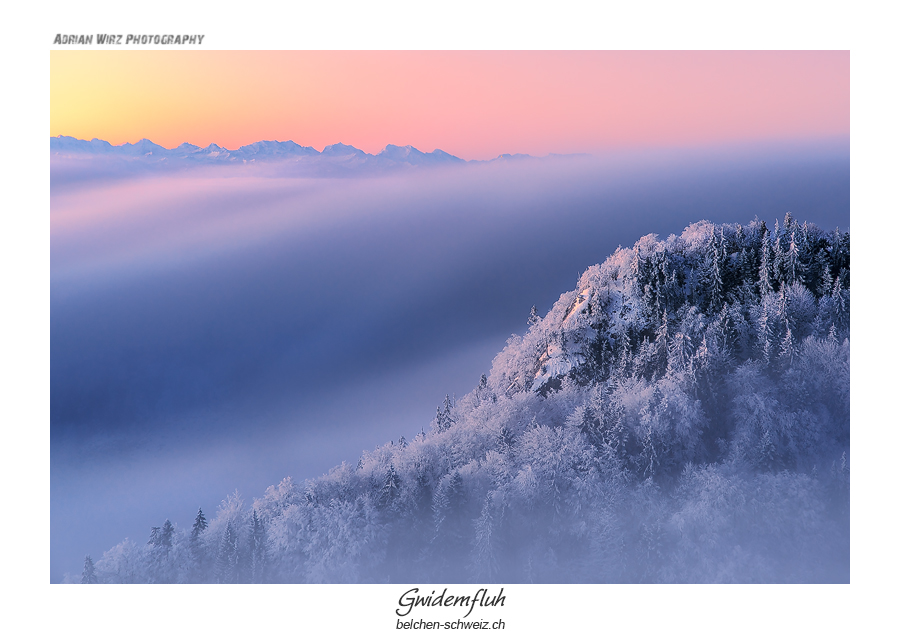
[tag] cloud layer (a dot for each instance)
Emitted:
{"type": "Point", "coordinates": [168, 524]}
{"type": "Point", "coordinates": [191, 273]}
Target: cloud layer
{"type": "Point", "coordinates": [206, 320]}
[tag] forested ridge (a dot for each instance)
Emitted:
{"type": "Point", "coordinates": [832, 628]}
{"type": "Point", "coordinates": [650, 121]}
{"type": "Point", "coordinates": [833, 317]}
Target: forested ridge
{"type": "Point", "coordinates": [682, 415]}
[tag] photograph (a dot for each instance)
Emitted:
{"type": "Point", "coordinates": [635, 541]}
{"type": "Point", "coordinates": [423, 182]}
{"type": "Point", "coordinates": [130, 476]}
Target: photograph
{"type": "Point", "coordinates": [437, 317]}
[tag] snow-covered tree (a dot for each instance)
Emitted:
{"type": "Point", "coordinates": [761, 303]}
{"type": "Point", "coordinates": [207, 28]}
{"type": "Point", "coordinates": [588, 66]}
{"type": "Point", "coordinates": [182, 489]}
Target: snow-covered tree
{"type": "Point", "coordinates": [443, 418]}
{"type": "Point", "coordinates": [88, 575]}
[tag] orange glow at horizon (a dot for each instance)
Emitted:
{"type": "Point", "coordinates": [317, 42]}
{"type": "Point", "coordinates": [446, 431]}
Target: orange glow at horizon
{"type": "Point", "coordinates": [474, 104]}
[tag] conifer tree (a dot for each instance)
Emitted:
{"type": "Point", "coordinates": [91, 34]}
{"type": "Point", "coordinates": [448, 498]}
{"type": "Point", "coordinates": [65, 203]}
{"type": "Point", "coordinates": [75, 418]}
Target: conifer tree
{"type": "Point", "coordinates": [195, 546]}
{"type": "Point", "coordinates": [452, 527]}
{"type": "Point", "coordinates": [505, 440]}
{"type": "Point", "coordinates": [764, 333]}
{"type": "Point", "coordinates": [166, 536]}
{"type": "Point", "coordinates": [789, 223]}
{"type": "Point", "coordinates": [624, 366]}
{"type": "Point", "coordinates": [765, 266]}
{"type": "Point", "coordinates": [164, 556]}
{"type": "Point", "coordinates": [832, 335]}
{"type": "Point", "coordinates": [779, 264]}
{"type": "Point", "coordinates": [160, 542]}
{"type": "Point", "coordinates": [484, 562]}
{"type": "Point", "coordinates": [88, 575]}
{"type": "Point", "coordinates": [154, 563]}
{"type": "Point", "coordinates": [443, 419]}
{"type": "Point", "coordinates": [826, 282]}
{"type": "Point", "coordinates": [839, 306]}
{"type": "Point", "coordinates": [739, 238]}
{"type": "Point", "coordinates": [716, 261]}
{"type": "Point", "coordinates": [390, 488]}
{"type": "Point", "coordinates": [662, 344]}
{"type": "Point", "coordinates": [258, 555]}
{"type": "Point", "coordinates": [786, 354]}
{"type": "Point", "coordinates": [840, 250]}
{"type": "Point", "coordinates": [793, 266]}
{"type": "Point", "coordinates": [227, 555]}
{"type": "Point", "coordinates": [644, 361]}
{"type": "Point", "coordinates": [200, 525]}
{"type": "Point", "coordinates": [718, 328]}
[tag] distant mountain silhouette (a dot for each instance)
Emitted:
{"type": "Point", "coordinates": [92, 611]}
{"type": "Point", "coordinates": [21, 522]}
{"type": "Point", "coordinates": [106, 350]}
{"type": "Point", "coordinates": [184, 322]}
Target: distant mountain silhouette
{"type": "Point", "coordinates": [336, 156]}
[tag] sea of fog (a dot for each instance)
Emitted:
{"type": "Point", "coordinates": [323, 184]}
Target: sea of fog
{"type": "Point", "coordinates": [220, 329]}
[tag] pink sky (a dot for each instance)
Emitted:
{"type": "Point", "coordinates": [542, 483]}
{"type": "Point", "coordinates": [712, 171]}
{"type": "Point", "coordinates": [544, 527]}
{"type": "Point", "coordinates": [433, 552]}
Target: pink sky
{"type": "Point", "coordinates": [474, 104]}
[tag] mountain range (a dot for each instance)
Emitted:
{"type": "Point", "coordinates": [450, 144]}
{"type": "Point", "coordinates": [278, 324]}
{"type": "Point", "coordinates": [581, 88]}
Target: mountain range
{"type": "Point", "coordinates": [337, 154]}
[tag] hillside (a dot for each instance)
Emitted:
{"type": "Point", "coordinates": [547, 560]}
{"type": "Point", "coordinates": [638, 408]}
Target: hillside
{"type": "Point", "coordinates": [682, 415]}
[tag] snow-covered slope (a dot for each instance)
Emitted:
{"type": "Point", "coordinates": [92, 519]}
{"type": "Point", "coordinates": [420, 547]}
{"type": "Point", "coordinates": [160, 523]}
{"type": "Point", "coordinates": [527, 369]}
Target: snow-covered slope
{"type": "Point", "coordinates": [682, 415]}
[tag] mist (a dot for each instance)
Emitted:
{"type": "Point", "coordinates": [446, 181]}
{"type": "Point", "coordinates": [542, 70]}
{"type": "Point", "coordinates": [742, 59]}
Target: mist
{"type": "Point", "coordinates": [221, 328]}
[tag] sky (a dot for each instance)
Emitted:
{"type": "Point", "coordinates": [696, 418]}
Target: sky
{"type": "Point", "coordinates": [473, 104]}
